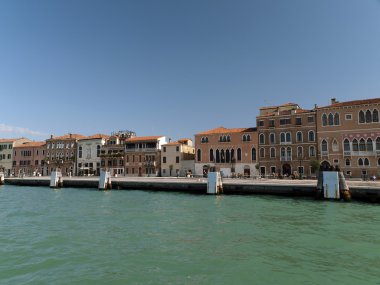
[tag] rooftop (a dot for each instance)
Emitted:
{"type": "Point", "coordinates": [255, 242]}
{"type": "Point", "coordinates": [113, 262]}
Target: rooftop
{"type": "Point", "coordinates": [31, 144]}
{"type": "Point", "coordinates": [141, 139]}
{"type": "Point", "coordinates": [96, 136]}
{"type": "Point", "coordinates": [223, 130]}
{"type": "Point", "coordinates": [353, 103]}
{"type": "Point", "coordinates": [68, 137]}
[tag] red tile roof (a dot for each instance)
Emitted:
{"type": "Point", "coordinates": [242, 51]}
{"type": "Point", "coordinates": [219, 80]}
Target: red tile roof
{"type": "Point", "coordinates": [283, 105]}
{"type": "Point", "coordinates": [223, 130]}
{"type": "Point", "coordinates": [96, 136]}
{"type": "Point", "coordinates": [68, 137]}
{"type": "Point", "coordinates": [31, 144]}
{"type": "Point", "coordinates": [138, 139]}
{"type": "Point", "coordinates": [353, 103]}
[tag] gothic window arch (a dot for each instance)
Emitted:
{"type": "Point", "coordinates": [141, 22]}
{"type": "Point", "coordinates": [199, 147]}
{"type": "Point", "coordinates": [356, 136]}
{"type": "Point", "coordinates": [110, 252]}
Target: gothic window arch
{"type": "Point", "coordinates": [211, 155]}
{"type": "Point", "coordinates": [360, 162]}
{"type": "Point", "coordinates": [369, 144]}
{"type": "Point", "coordinates": [368, 116]}
{"type": "Point", "coordinates": [346, 145]}
{"type": "Point", "coordinates": [217, 156]}
{"type": "Point", "coordinates": [378, 143]}
{"type": "Point", "coordinates": [222, 156]}
{"type": "Point", "coordinates": [199, 155]}
{"type": "Point", "coordinates": [253, 154]}
{"type": "Point", "coordinates": [336, 119]}
{"type": "Point", "coordinates": [335, 146]}
{"type": "Point", "coordinates": [299, 137]}
{"type": "Point", "coordinates": [366, 162]}
{"type": "Point", "coordinates": [324, 120]}
{"type": "Point", "coordinates": [324, 146]}
{"type": "Point", "coordinates": [362, 145]}
{"type": "Point", "coordinates": [361, 117]}
{"type": "Point", "coordinates": [227, 156]}
{"type": "Point", "coordinates": [238, 154]}
{"type": "Point", "coordinates": [331, 119]}
{"type": "Point", "coordinates": [355, 145]}
{"type": "Point", "coordinates": [375, 116]}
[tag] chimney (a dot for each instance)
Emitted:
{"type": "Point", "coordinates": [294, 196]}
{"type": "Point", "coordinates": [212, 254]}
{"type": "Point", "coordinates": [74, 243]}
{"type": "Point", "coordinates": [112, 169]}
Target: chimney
{"type": "Point", "coordinates": [333, 101]}
{"type": "Point", "coordinates": [71, 136]}
{"type": "Point", "coordinates": [51, 136]}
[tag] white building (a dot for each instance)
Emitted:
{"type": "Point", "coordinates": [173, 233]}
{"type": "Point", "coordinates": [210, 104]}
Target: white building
{"type": "Point", "coordinates": [6, 153]}
{"type": "Point", "coordinates": [177, 158]}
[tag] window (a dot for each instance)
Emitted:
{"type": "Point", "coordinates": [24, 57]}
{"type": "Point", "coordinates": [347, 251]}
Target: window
{"type": "Point", "coordinates": [164, 159]}
{"type": "Point", "coordinates": [227, 155]}
{"type": "Point", "coordinates": [299, 137]}
{"type": "Point", "coordinates": [285, 121]}
{"type": "Point", "coordinates": [253, 154]}
{"type": "Point", "coordinates": [311, 136]}
{"type": "Point", "coordinates": [348, 116]}
{"type": "Point", "coordinates": [312, 151]}
{"type": "Point", "coordinates": [378, 143]}
{"type": "Point", "coordinates": [360, 162]}
{"type": "Point", "coordinates": [369, 144]}
{"type": "Point", "coordinates": [375, 116]}
{"type": "Point", "coordinates": [272, 152]}
{"type": "Point", "coordinates": [324, 120]}
{"type": "Point", "coordinates": [248, 138]}
{"type": "Point", "coordinates": [262, 152]}
{"type": "Point", "coordinates": [335, 145]}
{"type": "Point", "coordinates": [362, 145]}
{"type": "Point", "coordinates": [361, 117]}
{"type": "Point", "coordinates": [346, 145]}
{"type": "Point", "coordinates": [80, 152]}
{"type": "Point", "coordinates": [282, 137]}
{"type": "Point", "coordinates": [233, 155]}
{"type": "Point", "coordinates": [262, 139]}
{"type": "Point", "coordinates": [164, 148]}
{"type": "Point", "coordinates": [324, 145]}
{"type": "Point", "coordinates": [300, 152]}
{"type": "Point", "coordinates": [336, 119]}
{"type": "Point", "coordinates": [272, 138]}
{"type": "Point", "coordinates": [355, 145]}
{"type": "Point", "coordinates": [239, 154]}
{"type": "Point", "coordinates": [310, 119]}
{"type": "Point", "coordinates": [204, 140]}
{"type": "Point", "coordinates": [177, 159]}
{"type": "Point", "coordinates": [368, 116]}
{"type": "Point", "coordinates": [288, 138]}
{"type": "Point", "coordinates": [260, 123]}
{"type": "Point", "coordinates": [348, 162]}
{"type": "Point", "coordinates": [199, 155]}
{"type": "Point", "coordinates": [298, 121]}
{"type": "Point", "coordinates": [217, 156]}
{"type": "Point", "coordinates": [331, 120]}
{"type": "Point", "coordinates": [222, 156]}
{"type": "Point", "coordinates": [289, 153]}
{"type": "Point", "coordinates": [378, 162]}
{"type": "Point", "coordinates": [366, 162]}
{"type": "Point", "coordinates": [98, 151]}
{"type": "Point", "coordinates": [211, 155]}
{"type": "Point", "coordinates": [271, 123]}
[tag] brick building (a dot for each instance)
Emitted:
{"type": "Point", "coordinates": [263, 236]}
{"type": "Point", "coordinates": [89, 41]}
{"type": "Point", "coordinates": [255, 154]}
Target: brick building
{"type": "Point", "coordinates": [349, 136]}
{"type": "Point", "coordinates": [233, 151]}
{"type": "Point", "coordinates": [287, 140]}
{"type": "Point", "coordinates": [29, 159]}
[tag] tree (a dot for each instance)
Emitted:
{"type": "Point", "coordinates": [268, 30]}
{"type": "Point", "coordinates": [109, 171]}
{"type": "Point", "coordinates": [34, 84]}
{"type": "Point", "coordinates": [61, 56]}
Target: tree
{"type": "Point", "coordinates": [314, 164]}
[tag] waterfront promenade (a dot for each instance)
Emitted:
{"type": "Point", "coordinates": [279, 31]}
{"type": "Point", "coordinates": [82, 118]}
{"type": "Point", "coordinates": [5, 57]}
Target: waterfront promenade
{"type": "Point", "coordinates": [361, 190]}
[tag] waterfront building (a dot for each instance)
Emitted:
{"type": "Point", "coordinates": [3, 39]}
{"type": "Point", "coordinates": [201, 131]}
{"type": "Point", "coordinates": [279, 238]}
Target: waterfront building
{"type": "Point", "coordinates": [6, 153]}
{"type": "Point", "coordinates": [177, 158]}
{"type": "Point", "coordinates": [143, 155]}
{"type": "Point", "coordinates": [113, 152]}
{"type": "Point", "coordinates": [349, 136]}
{"type": "Point", "coordinates": [287, 140]}
{"type": "Point", "coordinates": [232, 151]}
{"type": "Point", "coordinates": [88, 156]}
{"type": "Point", "coordinates": [29, 159]}
{"type": "Point", "coordinates": [61, 152]}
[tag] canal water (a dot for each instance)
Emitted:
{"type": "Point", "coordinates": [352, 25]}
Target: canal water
{"type": "Point", "coordinates": [84, 236]}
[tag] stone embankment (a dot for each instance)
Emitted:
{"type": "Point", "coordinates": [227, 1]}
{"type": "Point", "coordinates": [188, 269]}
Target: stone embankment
{"type": "Point", "coordinates": [360, 190]}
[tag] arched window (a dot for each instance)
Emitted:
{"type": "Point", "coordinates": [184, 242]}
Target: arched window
{"type": "Point", "coordinates": [211, 155]}
{"type": "Point", "coordinates": [331, 119]}
{"type": "Point", "coordinates": [369, 144]}
{"type": "Point", "coordinates": [262, 152]}
{"type": "Point", "coordinates": [227, 155]}
{"type": "Point", "coordinates": [288, 138]}
{"type": "Point", "coordinates": [299, 137]}
{"type": "Point", "coordinates": [248, 138]}
{"type": "Point", "coordinates": [262, 139]}
{"type": "Point", "coordinates": [199, 155]}
{"type": "Point", "coordinates": [336, 119]}
{"type": "Point", "coordinates": [346, 145]}
{"type": "Point", "coordinates": [312, 151]}
{"type": "Point", "coordinates": [324, 145]}
{"type": "Point", "coordinates": [289, 153]}
{"type": "Point", "coordinates": [217, 158]}
{"type": "Point", "coordinates": [378, 162]}
{"type": "Point", "coordinates": [253, 154]}
{"type": "Point", "coordinates": [335, 146]}
{"type": "Point", "coordinates": [360, 162]}
{"type": "Point", "coordinates": [282, 138]}
{"type": "Point", "coordinates": [375, 116]}
{"type": "Point", "coordinates": [282, 153]}
{"type": "Point", "coordinates": [361, 117]}
{"type": "Point", "coordinates": [239, 154]}
{"type": "Point", "coordinates": [232, 155]}
{"type": "Point", "coordinates": [348, 162]}
{"type": "Point", "coordinates": [272, 152]}
{"type": "Point", "coordinates": [368, 116]}
{"type": "Point", "coordinates": [272, 138]}
{"type": "Point", "coordinates": [80, 152]}
{"type": "Point", "coordinates": [228, 138]}
{"type": "Point", "coordinates": [311, 136]}
{"type": "Point", "coordinates": [300, 152]}
{"type": "Point", "coordinates": [355, 145]}
{"type": "Point", "coordinates": [324, 120]}
{"type": "Point", "coordinates": [378, 143]}
{"type": "Point", "coordinates": [244, 138]}
{"type": "Point", "coordinates": [366, 162]}
{"type": "Point", "coordinates": [362, 145]}
{"type": "Point", "coordinates": [222, 156]}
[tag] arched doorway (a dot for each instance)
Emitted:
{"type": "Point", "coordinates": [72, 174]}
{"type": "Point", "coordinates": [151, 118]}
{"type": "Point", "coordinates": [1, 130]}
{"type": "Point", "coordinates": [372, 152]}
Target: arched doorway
{"type": "Point", "coordinates": [247, 171]}
{"type": "Point", "coordinates": [286, 170]}
{"type": "Point", "coordinates": [325, 165]}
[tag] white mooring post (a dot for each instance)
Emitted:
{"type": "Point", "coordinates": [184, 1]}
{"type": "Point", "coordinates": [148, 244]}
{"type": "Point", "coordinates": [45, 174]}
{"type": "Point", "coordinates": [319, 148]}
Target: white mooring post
{"type": "Point", "coordinates": [214, 183]}
{"type": "Point", "coordinates": [105, 180]}
{"type": "Point", "coordinates": [1, 178]}
{"type": "Point", "coordinates": [56, 179]}
{"type": "Point", "coordinates": [331, 185]}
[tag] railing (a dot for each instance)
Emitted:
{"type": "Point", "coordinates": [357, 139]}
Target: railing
{"type": "Point", "coordinates": [324, 152]}
{"type": "Point", "coordinates": [347, 153]}
{"type": "Point", "coordinates": [140, 149]}
{"type": "Point", "coordinates": [149, 163]}
{"type": "Point", "coordinates": [285, 158]}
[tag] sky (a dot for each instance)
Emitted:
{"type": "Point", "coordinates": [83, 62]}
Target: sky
{"type": "Point", "coordinates": [176, 67]}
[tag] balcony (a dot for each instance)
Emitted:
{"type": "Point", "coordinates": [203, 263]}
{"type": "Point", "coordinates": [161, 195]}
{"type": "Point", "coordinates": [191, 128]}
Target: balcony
{"type": "Point", "coordinates": [149, 163]}
{"type": "Point", "coordinates": [347, 153]}
{"type": "Point", "coordinates": [286, 158]}
{"type": "Point", "coordinates": [131, 150]}
{"type": "Point", "coordinates": [324, 152]}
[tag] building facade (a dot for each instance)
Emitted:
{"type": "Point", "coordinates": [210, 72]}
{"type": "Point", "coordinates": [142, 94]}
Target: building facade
{"type": "Point", "coordinates": [143, 156]}
{"type": "Point", "coordinates": [29, 159]}
{"type": "Point", "coordinates": [232, 151]}
{"type": "Point", "coordinates": [88, 156]}
{"type": "Point", "coordinates": [6, 154]}
{"type": "Point", "coordinates": [61, 152]}
{"type": "Point", "coordinates": [287, 140]}
{"type": "Point", "coordinates": [349, 136]}
{"type": "Point", "coordinates": [177, 158]}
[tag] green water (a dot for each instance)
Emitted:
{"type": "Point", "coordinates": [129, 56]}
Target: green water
{"type": "Point", "coordinates": [79, 236]}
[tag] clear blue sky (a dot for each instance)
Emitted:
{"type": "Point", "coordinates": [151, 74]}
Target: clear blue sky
{"type": "Point", "coordinates": [175, 67]}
